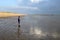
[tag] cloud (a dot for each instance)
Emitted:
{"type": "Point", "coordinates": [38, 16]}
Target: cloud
{"type": "Point", "coordinates": [21, 7]}
{"type": "Point", "coordinates": [35, 8]}
{"type": "Point", "coordinates": [37, 1]}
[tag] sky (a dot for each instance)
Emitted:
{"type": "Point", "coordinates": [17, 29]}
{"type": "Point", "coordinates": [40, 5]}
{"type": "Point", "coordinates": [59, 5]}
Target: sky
{"type": "Point", "coordinates": [31, 6]}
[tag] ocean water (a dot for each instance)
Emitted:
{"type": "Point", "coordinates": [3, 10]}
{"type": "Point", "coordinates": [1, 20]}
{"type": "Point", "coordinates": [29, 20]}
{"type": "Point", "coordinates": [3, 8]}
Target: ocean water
{"type": "Point", "coordinates": [32, 28]}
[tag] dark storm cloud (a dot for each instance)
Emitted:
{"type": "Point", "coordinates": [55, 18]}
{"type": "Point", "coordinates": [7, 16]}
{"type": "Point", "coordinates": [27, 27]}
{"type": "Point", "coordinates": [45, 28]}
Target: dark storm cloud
{"type": "Point", "coordinates": [51, 6]}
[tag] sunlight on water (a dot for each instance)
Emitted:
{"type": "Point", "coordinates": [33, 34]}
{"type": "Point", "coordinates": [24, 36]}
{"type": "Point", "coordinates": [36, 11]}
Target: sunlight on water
{"type": "Point", "coordinates": [35, 31]}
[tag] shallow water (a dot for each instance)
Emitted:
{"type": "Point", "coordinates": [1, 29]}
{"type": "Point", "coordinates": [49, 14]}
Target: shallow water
{"type": "Point", "coordinates": [32, 28]}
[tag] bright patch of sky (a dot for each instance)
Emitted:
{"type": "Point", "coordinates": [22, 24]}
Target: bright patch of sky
{"type": "Point", "coordinates": [36, 1]}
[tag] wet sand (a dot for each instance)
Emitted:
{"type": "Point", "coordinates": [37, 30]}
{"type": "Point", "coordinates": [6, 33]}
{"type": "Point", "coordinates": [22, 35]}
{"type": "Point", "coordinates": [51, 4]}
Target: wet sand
{"type": "Point", "coordinates": [32, 28]}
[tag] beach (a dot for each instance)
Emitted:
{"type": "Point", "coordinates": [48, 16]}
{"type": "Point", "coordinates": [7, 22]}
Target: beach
{"type": "Point", "coordinates": [32, 28]}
